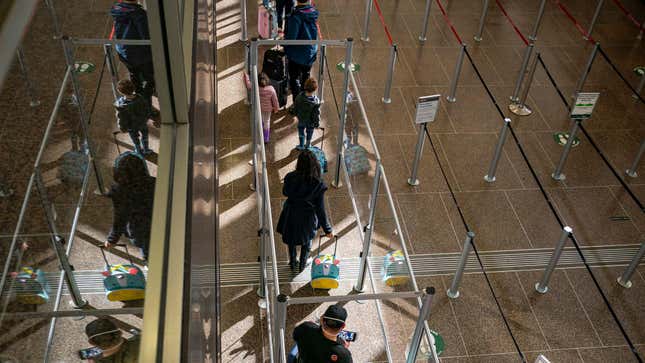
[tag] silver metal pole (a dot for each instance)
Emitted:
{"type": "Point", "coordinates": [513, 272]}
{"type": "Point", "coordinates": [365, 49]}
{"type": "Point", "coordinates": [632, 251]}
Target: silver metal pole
{"type": "Point", "coordinates": [455, 76]}
{"type": "Point", "coordinates": [366, 27]}
{"type": "Point", "coordinates": [453, 291]}
{"type": "Point", "coordinates": [52, 13]}
{"type": "Point", "coordinates": [482, 21]}
{"type": "Point", "coordinates": [69, 57]}
{"type": "Point", "coordinates": [390, 75]}
{"type": "Point", "coordinates": [262, 293]}
{"type": "Point", "coordinates": [343, 111]}
{"type": "Point", "coordinates": [557, 174]}
{"type": "Point", "coordinates": [632, 170]}
{"type": "Point", "coordinates": [593, 20]}
{"type": "Point", "coordinates": [426, 20]}
{"type": "Point", "coordinates": [424, 313]}
{"type": "Point", "coordinates": [641, 84]}
{"type": "Point", "coordinates": [538, 20]}
{"type": "Point", "coordinates": [280, 324]}
{"type": "Point", "coordinates": [244, 21]}
{"type": "Point", "coordinates": [321, 72]}
{"type": "Point", "coordinates": [369, 228]}
{"type": "Point", "coordinates": [31, 90]}
{"type": "Point", "coordinates": [413, 180]}
{"type": "Point", "coordinates": [253, 61]}
{"type": "Point", "coordinates": [520, 76]}
{"type": "Point", "coordinates": [520, 108]}
{"type": "Point", "coordinates": [114, 76]}
{"type": "Point", "coordinates": [490, 176]}
{"type": "Point", "coordinates": [542, 286]}
{"type": "Point", "coordinates": [583, 78]}
{"type": "Point", "coordinates": [625, 279]}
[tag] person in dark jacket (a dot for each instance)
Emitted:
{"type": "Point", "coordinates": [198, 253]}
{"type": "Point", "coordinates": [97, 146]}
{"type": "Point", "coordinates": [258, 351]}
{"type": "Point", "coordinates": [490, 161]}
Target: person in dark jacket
{"type": "Point", "coordinates": [132, 115]}
{"type": "Point", "coordinates": [131, 22]}
{"type": "Point", "coordinates": [304, 210]}
{"type": "Point", "coordinates": [301, 25]}
{"type": "Point", "coordinates": [132, 197]}
{"type": "Point", "coordinates": [306, 108]}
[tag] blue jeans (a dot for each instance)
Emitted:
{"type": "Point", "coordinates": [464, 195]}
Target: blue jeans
{"type": "Point", "coordinates": [301, 135]}
{"type": "Point", "coordinates": [139, 146]}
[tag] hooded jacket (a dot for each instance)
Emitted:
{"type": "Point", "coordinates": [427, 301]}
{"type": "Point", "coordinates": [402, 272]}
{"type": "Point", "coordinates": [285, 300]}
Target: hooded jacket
{"type": "Point", "coordinates": [304, 210]}
{"type": "Point", "coordinates": [131, 22]}
{"type": "Point", "coordinates": [307, 109]}
{"type": "Point", "coordinates": [132, 114]}
{"type": "Point", "coordinates": [301, 25]}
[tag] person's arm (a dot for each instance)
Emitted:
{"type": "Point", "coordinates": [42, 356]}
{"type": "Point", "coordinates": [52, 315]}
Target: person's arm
{"type": "Point", "coordinates": [292, 28]}
{"type": "Point", "coordinates": [119, 218]}
{"type": "Point", "coordinates": [274, 100]}
{"type": "Point", "coordinates": [321, 213]}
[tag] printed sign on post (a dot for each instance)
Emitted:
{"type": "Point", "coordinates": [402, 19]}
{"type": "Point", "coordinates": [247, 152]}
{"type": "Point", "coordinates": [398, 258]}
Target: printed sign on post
{"type": "Point", "coordinates": [584, 105]}
{"type": "Point", "coordinates": [427, 109]}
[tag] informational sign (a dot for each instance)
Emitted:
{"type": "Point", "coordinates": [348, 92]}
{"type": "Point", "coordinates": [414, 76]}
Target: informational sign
{"type": "Point", "coordinates": [427, 107]}
{"type": "Point", "coordinates": [84, 67]}
{"type": "Point", "coordinates": [353, 67]}
{"type": "Point", "coordinates": [562, 137]}
{"type": "Point", "coordinates": [584, 105]}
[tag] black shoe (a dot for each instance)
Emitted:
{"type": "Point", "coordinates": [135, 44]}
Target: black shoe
{"type": "Point", "coordinates": [292, 266]}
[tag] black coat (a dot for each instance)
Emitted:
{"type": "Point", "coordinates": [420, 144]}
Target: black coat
{"type": "Point", "coordinates": [132, 213]}
{"type": "Point", "coordinates": [304, 210]}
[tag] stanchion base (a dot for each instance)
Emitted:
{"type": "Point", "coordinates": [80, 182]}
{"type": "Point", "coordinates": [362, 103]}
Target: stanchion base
{"type": "Point", "coordinates": [451, 99]}
{"type": "Point", "coordinates": [625, 284]}
{"type": "Point", "coordinates": [262, 304]}
{"type": "Point", "coordinates": [631, 173]}
{"type": "Point", "coordinates": [37, 103]}
{"type": "Point", "coordinates": [451, 295]}
{"type": "Point", "coordinates": [520, 110]}
{"type": "Point", "coordinates": [560, 177]}
{"type": "Point", "coordinates": [83, 304]}
{"type": "Point", "coordinates": [386, 100]}
{"type": "Point", "coordinates": [422, 39]}
{"type": "Point", "coordinates": [365, 39]}
{"type": "Point", "coordinates": [259, 291]}
{"type": "Point", "coordinates": [336, 185]}
{"type": "Point", "coordinates": [98, 191]}
{"type": "Point", "coordinates": [414, 182]}
{"type": "Point", "coordinates": [513, 99]}
{"type": "Point", "coordinates": [489, 179]}
{"type": "Point", "coordinates": [541, 290]}
{"type": "Point", "coordinates": [477, 39]}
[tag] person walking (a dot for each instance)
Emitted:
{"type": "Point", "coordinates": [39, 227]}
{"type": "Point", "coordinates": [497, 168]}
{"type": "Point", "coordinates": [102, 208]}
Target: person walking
{"type": "Point", "coordinates": [306, 108]}
{"type": "Point", "coordinates": [320, 343]}
{"type": "Point", "coordinates": [132, 116]}
{"type": "Point", "coordinates": [301, 25]}
{"type": "Point", "coordinates": [304, 210]}
{"type": "Point", "coordinates": [268, 101]}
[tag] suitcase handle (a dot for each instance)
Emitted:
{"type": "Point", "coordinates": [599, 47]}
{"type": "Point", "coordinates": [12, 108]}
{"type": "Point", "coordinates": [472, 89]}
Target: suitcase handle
{"type": "Point", "coordinates": [102, 248]}
{"type": "Point", "coordinates": [320, 242]}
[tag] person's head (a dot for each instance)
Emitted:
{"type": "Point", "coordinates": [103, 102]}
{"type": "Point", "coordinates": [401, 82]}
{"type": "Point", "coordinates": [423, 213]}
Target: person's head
{"type": "Point", "coordinates": [126, 87]}
{"type": "Point", "coordinates": [103, 333]}
{"type": "Point", "coordinates": [128, 169]}
{"type": "Point", "coordinates": [333, 321]}
{"type": "Point", "coordinates": [308, 166]}
{"type": "Point", "coordinates": [263, 80]}
{"type": "Point", "coordinates": [303, 2]}
{"type": "Point", "coordinates": [311, 85]}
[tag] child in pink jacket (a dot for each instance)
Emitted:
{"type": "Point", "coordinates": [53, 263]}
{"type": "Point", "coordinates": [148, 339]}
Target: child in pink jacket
{"type": "Point", "coordinates": [268, 101]}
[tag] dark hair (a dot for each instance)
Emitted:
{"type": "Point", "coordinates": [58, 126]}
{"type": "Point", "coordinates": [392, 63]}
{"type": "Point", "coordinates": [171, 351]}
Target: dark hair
{"type": "Point", "coordinates": [311, 85]}
{"type": "Point", "coordinates": [126, 87]}
{"type": "Point", "coordinates": [308, 166]}
{"type": "Point", "coordinates": [103, 332]}
{"type": "Point", "coordinates": [129, 169]}
{"type": "Point", "coordinates": [263, 80]}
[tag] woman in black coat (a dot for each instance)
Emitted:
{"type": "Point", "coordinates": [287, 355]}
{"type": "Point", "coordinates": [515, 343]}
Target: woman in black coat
{"type": "Point", "coordinates": [304, 210]}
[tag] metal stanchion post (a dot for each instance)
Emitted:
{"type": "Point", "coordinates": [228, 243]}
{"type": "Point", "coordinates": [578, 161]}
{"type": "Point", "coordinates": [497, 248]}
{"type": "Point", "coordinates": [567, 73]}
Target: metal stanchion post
{"type": "Point", "coordinates": [426, 20]}
{"type": "Point", "coordinates": [625, 279]}
{"type": "Point", "coordinates": [593, 20]}
{"type": "Point", "coordinates": [542, 286]}
{"type": "Point", "coordinates": [52, 12]}
{"type": "Point", "coordinates": [557, 174]}
{"type": "Point", "coordinates": [366, 27]}
{"type": "Point", "coordinates": [263, 262]}
{"type": "Point", "coordinates": [520, 75]}
{"type": "Point", "coordinates": [369, 228]}
{"type": "Point", "coordinates": [583, 78]}
{"type": "Point", "coordinates": [279, 322]}
{"type": "Point", "coordinates": [490, 176]}
{"type": "Point", "coordinates": [520, 108]}
{"type": "Point", "coordinates": [31, 90]}
{"type": "Point", "coordinates": [424, 313]}
{"type": "Point", "coordinates": [114, 77]}
{"type": "Point", "coordinates": [417, 156]}
{"type": "Point", "coordinates": [632, 170]}
{"type": "Point", "coordinates": [455, 77]}
{"type": "Point", "coordinates": [245, 32]}
{"type": "Point", "coordinates": [343, 111]}
{"type": "Point", "coordinates": [453, 291]}
{"type": "Point", "coordinates": [482, 21]}
{"type": "Point", "coordinates": [639, 89]}
{"type": "Point", "coordinates": [321, 72]}
{"type": "Point", "coordinates": [538, 20]}
{"type": "Point", "coordinates": [390, 75]}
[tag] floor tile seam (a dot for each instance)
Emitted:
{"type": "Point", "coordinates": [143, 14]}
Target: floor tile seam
{"type": "Point", "coordinates": [454, 317]}
{"type": "Point", "coordinates": [622, 207]}
{"type": "Point", "coordinates": [409, 243]}
{"type": "Point", "coordinates": [449, 165]}
{"type": "Point", "coordinates": [492, 65]}
{"type": "Point", "coordinates": [528, 303]}
{"type": "Point", "coordinates": [410, 117]}
{"type": "Point", "coordinates": [452, 225]}
{"type": "Point", "coordinates": [528, 238]}
{"type": "Point", "coordinates": [575, 293]}
{"type": "Point", "coordinates": [512, 164]}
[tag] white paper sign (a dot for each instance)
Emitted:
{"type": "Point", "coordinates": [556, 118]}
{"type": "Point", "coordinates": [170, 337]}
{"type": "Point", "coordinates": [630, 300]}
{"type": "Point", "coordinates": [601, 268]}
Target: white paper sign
{"type": "Point", "coordinates": [584, 105]}
{"type": "Point", "coordinates": [427, 107]}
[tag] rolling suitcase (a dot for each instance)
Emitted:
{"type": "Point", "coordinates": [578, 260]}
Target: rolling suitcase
{"type": "Point", "coordinates": [394, 270]}
{"type": "Point", "coordinates": [30, 286]}
{"type": "Point", "coordinates": [325, 269]}
{"type": "Point", "coordinates": [275, 67]}
{"type": "Point", "coordinates": [123, 282]}
{"type": "Point", "coordinates": [73, 167]}
{"type": "Point", "coordinates": [320, 154]}
{"type": "Point", "coordinates": [267, 20]}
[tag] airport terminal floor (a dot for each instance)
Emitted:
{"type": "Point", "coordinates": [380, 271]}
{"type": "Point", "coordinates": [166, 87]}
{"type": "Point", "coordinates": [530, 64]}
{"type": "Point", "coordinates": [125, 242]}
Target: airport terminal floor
{"type": "Point", "coordinates": [482, 161]}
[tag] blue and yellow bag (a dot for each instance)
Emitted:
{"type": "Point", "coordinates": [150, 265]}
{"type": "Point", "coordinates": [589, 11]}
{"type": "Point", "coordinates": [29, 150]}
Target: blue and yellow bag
{"type": "Point", "coordinates": [30, 286]}
{"type": "Point", "coordinates": [325, 269]}
{"type": "Point", "coordinates": [123, 282]}
{"type": "Point", "coordinates": [394, 270]}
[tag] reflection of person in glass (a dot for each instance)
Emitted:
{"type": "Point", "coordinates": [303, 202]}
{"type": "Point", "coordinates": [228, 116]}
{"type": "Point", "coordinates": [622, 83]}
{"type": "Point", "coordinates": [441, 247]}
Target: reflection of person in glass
{"type": "Point", "coordinates": [105, 335]}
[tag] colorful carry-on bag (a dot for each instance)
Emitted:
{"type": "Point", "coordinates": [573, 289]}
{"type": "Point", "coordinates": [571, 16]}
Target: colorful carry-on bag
{"type": "Point", "coordinates": [320, 154]}
{"type": "Point", "coordinates": [325, 269]}
{"type": "Point", "coordinates": [123, 282]}
{"type": "Point", "coordinates": [30, 286]}
{"type": "Point", "coordinates": [394, 270]}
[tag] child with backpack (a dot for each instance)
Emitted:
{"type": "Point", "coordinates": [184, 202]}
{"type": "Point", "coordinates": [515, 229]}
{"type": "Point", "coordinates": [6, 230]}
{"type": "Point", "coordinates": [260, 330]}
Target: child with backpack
{"type": "Point", "coordinates": [306, 108]}
{"type": "Point", "coordinates": [268, 101]}
{"type": "Point", "coordinates": [132, 115]}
